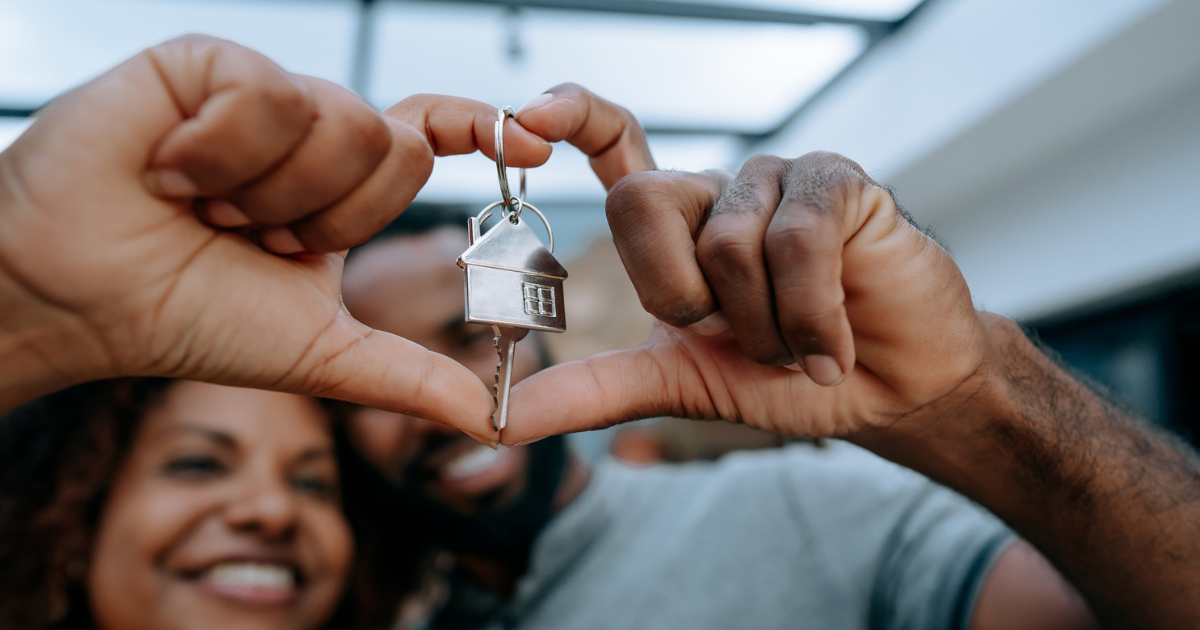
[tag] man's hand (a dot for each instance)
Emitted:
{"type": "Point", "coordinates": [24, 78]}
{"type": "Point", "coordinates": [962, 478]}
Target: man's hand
{"type": "Point", "coordinates": [810, 262]}
{"type": "Point", "coordinates": [135, 212]}
{"type": "Point", "coordinates": [811, 265]}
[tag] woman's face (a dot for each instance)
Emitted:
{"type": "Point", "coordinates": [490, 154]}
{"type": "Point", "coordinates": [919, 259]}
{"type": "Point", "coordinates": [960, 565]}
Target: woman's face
{"type": "Point", "coordinates": [225, 515]}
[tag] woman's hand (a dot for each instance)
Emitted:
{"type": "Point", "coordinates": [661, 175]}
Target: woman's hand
{"type": "Point", "coordinates": [181, 216]}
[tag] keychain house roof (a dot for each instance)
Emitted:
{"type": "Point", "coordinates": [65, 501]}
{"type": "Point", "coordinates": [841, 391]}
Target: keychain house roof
{"type": "Point", "coordinates": [512, 279]}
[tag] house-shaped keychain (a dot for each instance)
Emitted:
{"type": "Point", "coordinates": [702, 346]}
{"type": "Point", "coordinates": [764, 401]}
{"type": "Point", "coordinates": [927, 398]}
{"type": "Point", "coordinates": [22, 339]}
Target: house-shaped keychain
{"type": "Point", "coordinates": [511, 278]}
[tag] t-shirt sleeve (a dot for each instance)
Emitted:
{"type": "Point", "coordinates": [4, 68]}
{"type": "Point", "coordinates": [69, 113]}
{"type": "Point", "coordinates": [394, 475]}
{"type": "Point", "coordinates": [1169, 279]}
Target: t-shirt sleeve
{"type": "Point", "coordinates": [934, 562]}
{"type": "Point", "coordinates": [916, 552]}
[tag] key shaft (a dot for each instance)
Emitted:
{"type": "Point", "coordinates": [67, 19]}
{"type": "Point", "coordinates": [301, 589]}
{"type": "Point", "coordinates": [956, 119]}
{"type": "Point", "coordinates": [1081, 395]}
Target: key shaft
{"type": "Point", "coordinates": [505, 341]}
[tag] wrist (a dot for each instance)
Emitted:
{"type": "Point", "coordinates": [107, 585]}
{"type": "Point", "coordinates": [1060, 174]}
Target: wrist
{"type": "Point", "coordinates": [40, 354]}
{"type": "Point", "coordinates": [1109, 502]}
{"type": "Point", "coordinates": [43, 348]}
{"type": "Point", "coordinates": [977, 438]}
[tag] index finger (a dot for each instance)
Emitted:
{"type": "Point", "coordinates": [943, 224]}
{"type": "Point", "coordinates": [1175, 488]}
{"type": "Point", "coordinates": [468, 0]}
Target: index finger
{"type": "Point", "coordinates": [454, 126]}
{"type": "Point", "coordinates": [655, 217]}
{"type": "Point", "coordinates": [422, 127]}
{"type": "Point", "coordinates": [606, 132]}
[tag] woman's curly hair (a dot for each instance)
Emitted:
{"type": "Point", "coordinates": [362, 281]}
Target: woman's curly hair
{"type": "Point", "coordinates": [58, 458]}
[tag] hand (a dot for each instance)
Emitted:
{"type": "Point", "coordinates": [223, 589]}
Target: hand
{"type": "Point", "coordinates": [135, 212]}
{"type": "Point", "coordinates": [607, 133]}
{"type": "Point", "coordinates": [810, 263]}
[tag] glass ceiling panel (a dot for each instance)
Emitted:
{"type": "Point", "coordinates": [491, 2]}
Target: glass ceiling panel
{"type": "Point", "coordinates": [887, 10]}
{"type": "Point", "coordinates": [567, 177]}
{"type": "Point", "coordinates": [671, 72]}
{"type": "Point", "coordinates": [47, 46]}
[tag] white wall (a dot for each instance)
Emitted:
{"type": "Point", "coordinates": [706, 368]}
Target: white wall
{"type": "Point", "coordinates": [1090, 221]}
{"type": "Point", "coordinates": [1051, 144]}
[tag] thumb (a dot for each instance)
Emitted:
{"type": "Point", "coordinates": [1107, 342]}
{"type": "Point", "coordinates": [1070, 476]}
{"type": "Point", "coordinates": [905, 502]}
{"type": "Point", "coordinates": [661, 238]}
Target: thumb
{"type": "Point", "coordinates": [381, 370]}
{"type": "Point", "coordinates": [595, 393]}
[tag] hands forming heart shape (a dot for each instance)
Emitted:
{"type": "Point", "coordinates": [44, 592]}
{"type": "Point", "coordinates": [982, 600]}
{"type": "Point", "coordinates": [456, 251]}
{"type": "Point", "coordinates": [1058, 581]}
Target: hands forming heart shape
{"type": "Point", "coordinates": [160, 255]}
{"type": "Point", "coordinates": [186, 215]}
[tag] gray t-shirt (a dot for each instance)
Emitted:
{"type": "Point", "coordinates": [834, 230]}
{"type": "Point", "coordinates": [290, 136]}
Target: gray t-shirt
{"type": "Point", "coordinates": [827, 538]}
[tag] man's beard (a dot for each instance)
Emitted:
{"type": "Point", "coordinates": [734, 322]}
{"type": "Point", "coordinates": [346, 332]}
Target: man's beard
{"type": "Point", "coordinates": [502, 533]}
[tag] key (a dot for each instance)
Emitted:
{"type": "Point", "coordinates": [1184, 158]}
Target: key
{"type": "Point", "coordinates": [513, 282]}
{"type": "Point", "coordinates": [506, 346]}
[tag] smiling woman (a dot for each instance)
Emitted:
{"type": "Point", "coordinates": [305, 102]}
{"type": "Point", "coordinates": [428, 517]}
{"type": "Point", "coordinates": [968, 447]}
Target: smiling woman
{"type": "Point", "coordinates": [150, 503]}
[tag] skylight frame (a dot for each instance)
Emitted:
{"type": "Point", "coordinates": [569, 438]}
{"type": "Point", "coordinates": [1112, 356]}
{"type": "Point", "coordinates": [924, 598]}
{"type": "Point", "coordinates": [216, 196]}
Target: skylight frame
{"type": "Point", "coordinates": [875, 29]}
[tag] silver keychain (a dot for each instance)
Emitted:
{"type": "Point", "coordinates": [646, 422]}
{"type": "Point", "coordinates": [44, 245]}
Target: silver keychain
{"type": "Point", "coordinates": [513, 281]}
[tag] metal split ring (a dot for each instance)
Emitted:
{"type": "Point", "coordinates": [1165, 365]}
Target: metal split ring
{"type": "Point", "coordinates": [515, 217]}
{"type": "Point", "coordinates": [512, 204]}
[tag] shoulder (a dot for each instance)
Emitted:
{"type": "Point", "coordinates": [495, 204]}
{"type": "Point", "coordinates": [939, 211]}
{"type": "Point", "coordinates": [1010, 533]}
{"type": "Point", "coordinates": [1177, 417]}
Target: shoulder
{"type": "Point", "coordinates": [831, 486]}
{"type": "Point", "coordinates": [831, 464]}
{"type": "Point", "coordinates": [833, 475]}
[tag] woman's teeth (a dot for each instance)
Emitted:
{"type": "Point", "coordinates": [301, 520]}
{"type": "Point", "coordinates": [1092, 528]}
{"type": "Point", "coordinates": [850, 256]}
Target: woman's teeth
{"type": "Point", "coordinates": [472, 462]}
{"type": "Point", "coordinates": [251, 575]}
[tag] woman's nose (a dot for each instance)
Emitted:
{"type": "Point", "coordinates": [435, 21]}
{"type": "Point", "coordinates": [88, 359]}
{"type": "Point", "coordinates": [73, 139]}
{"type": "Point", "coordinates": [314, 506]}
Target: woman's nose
{"type": "Point", "coordinates": [265, 505]}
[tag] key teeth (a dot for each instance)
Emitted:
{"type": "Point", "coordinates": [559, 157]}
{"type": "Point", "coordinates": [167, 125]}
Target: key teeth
{"type": "Point", "coordinates": [496, 384]}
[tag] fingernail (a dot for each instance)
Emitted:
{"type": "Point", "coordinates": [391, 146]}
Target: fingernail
{"type": "Point", "coordinates": [537, 101]}
{"type": "Point", "coordinates": [823, 370]}
{"type": "Point", "coordinates": [710, 326]}
{"type": "Point", "coordinates": [281, 240]}
{"type": "Point", "coordinates": [221, 213]}
{"type": "Point", "coordinates": [795, 367]}
{"type": "Point", "coordinates": [171, 182]}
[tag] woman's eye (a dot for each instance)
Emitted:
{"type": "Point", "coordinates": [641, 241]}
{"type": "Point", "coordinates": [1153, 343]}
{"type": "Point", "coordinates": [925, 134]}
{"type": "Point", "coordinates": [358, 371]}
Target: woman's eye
{"type": "Point", "coordinates": [195, 467]}
{"type": "Point", "coordinates": [317, 487]}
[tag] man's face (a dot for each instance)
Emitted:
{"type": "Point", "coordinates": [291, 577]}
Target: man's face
{"type": "Point", "coordinates": [411, 286]}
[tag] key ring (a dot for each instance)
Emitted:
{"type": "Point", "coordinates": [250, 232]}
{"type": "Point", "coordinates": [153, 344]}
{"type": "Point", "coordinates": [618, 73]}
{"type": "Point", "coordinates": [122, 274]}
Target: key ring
{"type": "Point", "coordinates": [487, 212]}
{"type": "Point", "coordinates": [514, 205]}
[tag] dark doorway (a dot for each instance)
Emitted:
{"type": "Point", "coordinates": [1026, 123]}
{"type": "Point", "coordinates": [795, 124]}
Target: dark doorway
{"type": "Point", "coordinates": [1145, 349]}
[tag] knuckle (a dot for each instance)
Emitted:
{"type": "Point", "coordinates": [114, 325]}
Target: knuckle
{"type": "Point", "coordinates": [403, 107]}
{"type": "Point", "coordinates": [816, 177]}
{"type": "Point", "coordinates": [723, 248]}
{"type": "Point", "coordinates": [287, 102]}
{"type": "Point", "coordinates": [372, 133]}
{"type": "Point", "coordinates": [798, 231]}
{"type": "Point", "coordinates": [828, 161]}
{"type": "Point", "coordinates": [286, 97]}
{"type": "Point", "coordinates": [828, 168]}
{"type": "Point", "coordinates": [416, 155]}
{"type": "Point", "coordinates": [740, 196]}
{"type": "Point", "coordinates": [633, 195]}
{"type": "Point", "coordinates": [765, 164]}
{"type": "Point", "coordinates": [756, 188]}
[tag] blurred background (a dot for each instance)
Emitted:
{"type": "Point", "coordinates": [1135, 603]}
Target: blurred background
{"type": "Point", "coordinates": [1052, 145]}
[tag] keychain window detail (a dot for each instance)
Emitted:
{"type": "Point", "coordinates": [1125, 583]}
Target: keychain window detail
{"type": "Point", "coordinates": [539, 299]}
